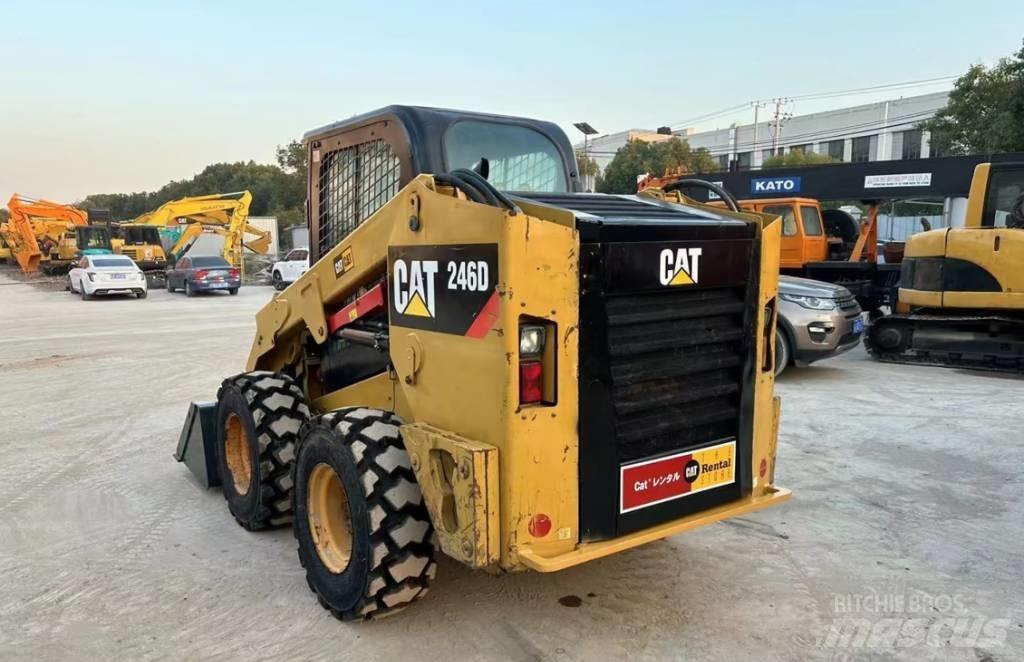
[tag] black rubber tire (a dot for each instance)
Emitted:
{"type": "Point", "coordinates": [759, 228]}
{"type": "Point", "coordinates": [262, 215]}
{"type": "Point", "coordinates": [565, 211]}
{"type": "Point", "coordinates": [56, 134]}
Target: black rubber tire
{"type": "Point", "coordinates": [783, 353]}
{"type": "Point", "coordinates": [233, 291]}
{"type": "Point", "coordinates": [272, 410]}
{"type": "Point", "coordinates": [85, 295]}
{"type": "Point", "coordinates": [170, 288]}
{"type": "Point", "coordinates": [189, 292]}
{"type": "Point", "coordinates": [141, 295]}
{"type": "Point", "coordinates": [393, 542]}
{"type": "Point", "coordinates": [278, 281]}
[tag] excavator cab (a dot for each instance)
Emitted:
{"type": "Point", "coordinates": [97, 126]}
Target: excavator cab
{"type": "Point", "coordinates": [143, 244]}
{"type": "Point", "coordinates": [961, 290]}
{"type": "Point", "coordinates": [91, 240]}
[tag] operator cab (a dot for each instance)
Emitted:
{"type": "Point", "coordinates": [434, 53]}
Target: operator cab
{"type": "Point", "coordinates": [359, 164]}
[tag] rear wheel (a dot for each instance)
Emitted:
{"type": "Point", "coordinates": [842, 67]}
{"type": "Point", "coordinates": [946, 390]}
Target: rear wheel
{"type": "Point", "coordinates": [259, 415]}
{"type": "Point", "coordinates": [85, 295]}
{"type": "Point", "coordinates": [233, 291]}
{"type": "Point", "coordinates": [365, 538]}
{"type": "Point", "coordinates": [783, 356]}
{"type": "Point", "coordinates": [141, 294]}
{"type": "Point", "coordinates": [189, 292]}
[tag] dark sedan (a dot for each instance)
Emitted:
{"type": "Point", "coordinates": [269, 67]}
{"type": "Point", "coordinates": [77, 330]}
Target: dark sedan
{"type": "Point", "coordinates": [203, 273]}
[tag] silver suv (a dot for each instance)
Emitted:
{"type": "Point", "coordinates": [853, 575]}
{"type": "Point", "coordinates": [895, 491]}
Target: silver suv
{"type": "Point", "coordinates": [816, 321]}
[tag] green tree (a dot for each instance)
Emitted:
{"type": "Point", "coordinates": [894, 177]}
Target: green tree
{"type": "Point", "coordinates": [985, 112]}
{"type": "Point", "coordinates": [638, 157]}
{"type": "Point", "coordinates": [797, 158]}
{"type": "Point", "coordinates": [275, 191]}
{"type": "Point", "coordinates": [587, 166]}
{"type": "Point", "coordinates": [292, 158]}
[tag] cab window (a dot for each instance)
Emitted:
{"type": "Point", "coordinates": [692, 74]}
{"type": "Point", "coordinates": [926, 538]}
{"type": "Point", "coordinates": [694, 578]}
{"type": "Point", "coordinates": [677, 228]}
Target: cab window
{"type": "Point", "coordinates": [297, 255]}
{"type": "Point", "coordinates": [519, 158]}
{"type": "Point", "coordinates": [1004, 198]}
{"type": "Point", "coordinates": [812, 221]}
{"type": "Point", "coordinates": [788, 218]}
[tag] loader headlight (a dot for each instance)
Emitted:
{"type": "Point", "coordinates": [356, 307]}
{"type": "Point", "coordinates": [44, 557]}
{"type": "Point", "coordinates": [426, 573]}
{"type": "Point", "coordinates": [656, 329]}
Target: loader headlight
{"type": "Point", "coordinates": [812, 303]}
{"type": "Point", "coordinates": [531, 340]}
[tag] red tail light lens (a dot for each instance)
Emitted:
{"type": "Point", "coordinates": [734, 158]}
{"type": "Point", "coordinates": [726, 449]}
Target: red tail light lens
{"type": "Point", "coordinates": [234, 273]}
{"type": "Point", "coordinates": [531, 382]}
{"type": "Point", "coordinates": [202, 273]}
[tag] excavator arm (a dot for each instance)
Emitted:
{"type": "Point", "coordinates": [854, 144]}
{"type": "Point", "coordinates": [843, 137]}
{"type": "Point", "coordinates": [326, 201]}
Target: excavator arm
{"type": "Point", "coordinates": [28, 217]}
{"type": "Point", "coordinates": [225, 214]}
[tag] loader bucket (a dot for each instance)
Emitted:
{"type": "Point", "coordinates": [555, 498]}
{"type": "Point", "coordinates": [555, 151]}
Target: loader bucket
{"type": "Point", "coordinates": [196, 445]}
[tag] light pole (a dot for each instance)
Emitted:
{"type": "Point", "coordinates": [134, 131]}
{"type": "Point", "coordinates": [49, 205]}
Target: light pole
{"type": "Point", "coordinates": [587, 131]}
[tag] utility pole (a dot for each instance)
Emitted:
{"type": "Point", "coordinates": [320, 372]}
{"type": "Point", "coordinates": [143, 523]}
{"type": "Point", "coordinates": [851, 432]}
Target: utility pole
{"type": "Point", "coordinates": [758, 105]}
{"type": "Point", "coordinates": [777, 119]}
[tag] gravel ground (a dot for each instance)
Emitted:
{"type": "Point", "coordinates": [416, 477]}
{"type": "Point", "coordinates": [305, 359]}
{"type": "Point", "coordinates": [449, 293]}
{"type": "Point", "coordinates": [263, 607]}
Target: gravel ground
{"type": "Point", "coordinates": [905, 538]}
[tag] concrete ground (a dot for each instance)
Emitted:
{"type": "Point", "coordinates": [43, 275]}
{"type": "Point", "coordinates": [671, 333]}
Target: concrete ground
{"type": "Point", "coordinates": [905, 538]}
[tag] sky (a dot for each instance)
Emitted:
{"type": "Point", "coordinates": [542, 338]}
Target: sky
{"type": "Point", "coordinates": [117, 96]}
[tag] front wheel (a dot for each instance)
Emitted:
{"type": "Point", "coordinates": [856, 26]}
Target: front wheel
{"type": "Point", "coordinates": [259, 415]}
{"type": "Point", "coordinates": [783, 356]}
{"type": "Point", "coordinates": [365, 537]}
{"type": "Point", "coordinates": [278, 281]}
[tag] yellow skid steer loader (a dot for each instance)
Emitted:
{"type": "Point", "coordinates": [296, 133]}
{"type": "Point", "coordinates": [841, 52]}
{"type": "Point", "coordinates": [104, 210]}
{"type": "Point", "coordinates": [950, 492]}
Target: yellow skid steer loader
{"type": "Point", "coordinates": [485, 362]}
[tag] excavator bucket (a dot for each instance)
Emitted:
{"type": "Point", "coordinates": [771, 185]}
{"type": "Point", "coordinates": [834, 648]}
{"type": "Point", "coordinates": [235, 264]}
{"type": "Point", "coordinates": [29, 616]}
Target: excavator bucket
{"type": "Point", "coordinates": [196, 443]}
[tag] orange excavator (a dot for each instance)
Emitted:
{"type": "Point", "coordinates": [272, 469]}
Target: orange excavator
{"type": "Point", "coordinates": [49, 234]}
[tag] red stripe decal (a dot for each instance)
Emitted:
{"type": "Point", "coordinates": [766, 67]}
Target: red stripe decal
{"type": "Point", "coordinates": [368, 303]}
{"type": "Point", "coordinates": [486, 318]}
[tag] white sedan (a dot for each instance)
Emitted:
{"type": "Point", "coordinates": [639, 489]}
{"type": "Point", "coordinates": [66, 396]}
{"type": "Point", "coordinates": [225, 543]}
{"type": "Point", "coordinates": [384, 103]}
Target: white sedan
{"type": "Point", "coordinates": [290, 269]}
{"type": "Point", "coordinates": [107, 274]}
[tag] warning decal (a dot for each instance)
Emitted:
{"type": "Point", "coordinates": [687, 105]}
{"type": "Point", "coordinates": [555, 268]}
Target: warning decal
{"type": "Point", "coordinates": [650, 482]}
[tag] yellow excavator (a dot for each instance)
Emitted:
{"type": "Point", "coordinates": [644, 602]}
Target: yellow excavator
{"type": "Point", "coordinates": [961, 295]}
{"type": "Point", "coordinates": [41, 234]}
{"type": "Point", "coordinates": [225, 214]}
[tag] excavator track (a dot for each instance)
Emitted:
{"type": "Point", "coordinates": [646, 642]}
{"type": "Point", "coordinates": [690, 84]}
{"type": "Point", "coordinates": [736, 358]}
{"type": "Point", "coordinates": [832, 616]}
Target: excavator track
{"type": "Point", "coordinates": [979, 342]}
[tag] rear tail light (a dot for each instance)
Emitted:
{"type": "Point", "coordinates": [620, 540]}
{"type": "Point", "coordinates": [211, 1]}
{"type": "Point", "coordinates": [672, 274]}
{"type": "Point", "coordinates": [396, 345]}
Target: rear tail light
{"type": "Point", "coordinates": [91, 275]}
{"type": "Point", "coordinates": [531, 382]}
{"type": "Point", "coordinates": [202, 273]}
{"type": "Point", "coordinates": [234, 273]}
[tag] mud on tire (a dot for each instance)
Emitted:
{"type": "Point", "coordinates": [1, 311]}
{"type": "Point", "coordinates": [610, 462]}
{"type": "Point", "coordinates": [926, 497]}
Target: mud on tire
{"type": "Point", "coordinates": [391, 544]}
{"type": "Point", "coordinates": [259, 416]}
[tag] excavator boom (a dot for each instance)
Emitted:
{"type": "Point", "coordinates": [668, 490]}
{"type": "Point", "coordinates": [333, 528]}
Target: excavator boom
{"type": "Point", "coordinates": [28, 218]}
{"type": "Point", "coordinates": [225, 214]}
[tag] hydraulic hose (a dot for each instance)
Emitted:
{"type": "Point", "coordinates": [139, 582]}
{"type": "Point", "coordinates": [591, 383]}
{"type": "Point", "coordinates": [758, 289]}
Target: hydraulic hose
{"type": "Point", "coordinates": [457, 182]}
{"type": "Point", "coordinates": [727, 197]}
{"type": "Point", "coordinates": [483, 183]}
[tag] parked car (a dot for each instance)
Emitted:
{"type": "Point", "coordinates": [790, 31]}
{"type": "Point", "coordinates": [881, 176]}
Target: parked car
{"type": "Point", "coordinates": [816, 321]}
{"type": "Point", "coordinates": [203, 273]}
{"type": "Point", "coordinates": [96, 275]}
{"type": "Point", "coordinates": [290, 269]}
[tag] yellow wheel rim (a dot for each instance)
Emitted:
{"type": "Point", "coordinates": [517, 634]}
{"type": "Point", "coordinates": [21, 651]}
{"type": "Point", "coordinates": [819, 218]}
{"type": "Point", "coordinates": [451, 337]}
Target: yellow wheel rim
{"type": "Point", "coordinates": [329, 521]}
{"type": "Point", "coordinates": [237, 454]}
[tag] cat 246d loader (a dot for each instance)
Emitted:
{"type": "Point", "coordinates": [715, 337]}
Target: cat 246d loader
{"type": "Point", "coordinates": [485, 362]}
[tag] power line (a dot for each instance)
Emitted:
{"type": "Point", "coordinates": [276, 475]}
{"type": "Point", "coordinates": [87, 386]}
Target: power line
{"type": "Point", "coordinates": [805, 97]}
{"type": "Point", "coordinates": [834, 133]}
{"type": "Point", "coordinates": [875, 88]}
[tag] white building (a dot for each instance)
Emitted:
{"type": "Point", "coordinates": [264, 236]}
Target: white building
{"type": "Point", "coordinates": [879, 131]}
